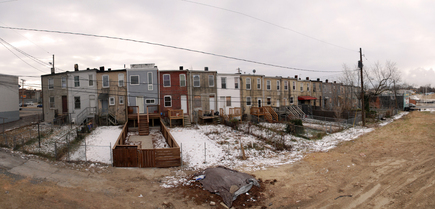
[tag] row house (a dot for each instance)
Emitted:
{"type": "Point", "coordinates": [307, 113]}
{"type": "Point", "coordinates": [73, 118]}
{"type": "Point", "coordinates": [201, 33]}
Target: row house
{"type": "Point", "coordinates": [174, 94]}
{"type": "Point", "coordinates": [203, 92]}
{"type": "Point", "coordinates": [251, 92]}
{"type": "Point", "coordinates": [228, 92]}
{"type": "Point", "coordinates": [112, 95]}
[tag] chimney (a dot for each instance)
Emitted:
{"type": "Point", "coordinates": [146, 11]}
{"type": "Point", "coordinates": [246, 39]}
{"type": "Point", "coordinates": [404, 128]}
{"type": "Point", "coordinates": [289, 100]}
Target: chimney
{"type": "Point", "coordinates": [155, 66]}
{"type": "Point", "coordinates": [296, 76]}
{"type": "Point", "coordinates": [87, 69]}
{"type": "Point", "coordinates": [76, 67]}
{"type": "Point", "coordinates": [109, 69]}
{"type": "Point", "coordinates": [102, 68]}
{"type": "Point", "coordinates": [52, 71]}
{"type": "Point", "coordinates": [318, 79]}
{"type": "Point", "coordinates": [308, 78]}
{"type": "Point", "coordinates": [326, 81]}
{"type": "Point", "coordinates": [335, 82]}
{"type": "Point", "coordinates": [181, 67]}
{"type": "Point", "coordinates": [205, 68]}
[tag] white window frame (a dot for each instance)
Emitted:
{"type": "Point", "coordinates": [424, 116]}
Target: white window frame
{"type": "Point", "coordinates": [268, 86]}
{"type": "Point", "coordinates": [90, 80]}
{"type": "Point", "coordinates": [211, 84]}
{"type": "Point", "coordinates": [223, 82]}
{"type": "Point", "coordinates": [164, 100]}
{"type": "Point", "coordinates": [169, 80]}
{"type": "Point", "coordinates": [248, 101]}
{"type": "Point", "coordinates": [138, 80]}
{"type": "Point", "coordinates": [248, 82]}
{"type": "Point", "coordinates": [150, 101]}
{"type": "Point", "coordinates": [63, 82]}
{"type": "Point", "coordinates": [150, 81]}
{"type": "Point", "coordinates": [182, 78]}
{"type": "Point", "coordinates": [294, 85]}
{"type": "Point", "coordinates": [236, 83]}
{"type": "Point", "coordinates": [285, 85]}
{"type": "Point", "coordinates": [77, 83]}
{"type": "Point", "coordinates": [121, 99]}
{"type": "Point", "coordinates": [278, 85]}
{"type": "Point", "coordinates": [198, 81]}
{"type": "Point", "coordinates": [50, 84]}
{"type": "Point", "coordinates": [50, 103]}
{"type": "Point", "coordinates": [112, 101]}
{"type": "Point", "coordinates": [308, 87]}
{"type": "Point", "coordinates": [258, 83]}
{"type": "Point", "coordinates": [121, 80]}
{"type": "Point", "coordinates": [302, 87]}
{"type": "Point", "coordinates": [108, 81]}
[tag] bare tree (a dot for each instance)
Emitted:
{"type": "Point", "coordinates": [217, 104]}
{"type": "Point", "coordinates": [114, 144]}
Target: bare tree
{"type": "Point", "coordinates": [382, 78]}
{"type": "Point", "coordinates": [350, 76]}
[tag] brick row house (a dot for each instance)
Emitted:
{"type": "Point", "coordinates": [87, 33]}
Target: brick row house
{"type": "Point", "coordinates": [144, 94]}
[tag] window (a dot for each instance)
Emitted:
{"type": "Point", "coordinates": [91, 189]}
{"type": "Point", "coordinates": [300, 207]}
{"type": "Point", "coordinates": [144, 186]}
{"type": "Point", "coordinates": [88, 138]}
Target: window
{"type": "Point", "coordinates": [51, 102]}
{"type": "Point", "coordinates": [302, 87]}
{"type": "Point", "coordinates": [228, 101]}
{"type": "Point", "coordinates": [314, 87]}
{"type": "Point", "coordinates": [76, 81]}
{"type": "Point", "coordinates": [182, 80]}
{"type": "Point", "coordinates": [236, 82]}
{"type": "Point", "coordinates": [150, 81]}
{"type": "Point", "coordinates": [268, 84]}
{"type": "Point", "coordinates": [285, 85]}
{"type": "Point", "coordinates": [134, 80]}
{"type": "Point", "coordinates": [210, 80]}
{"type": "Point", "coordinates": [291, 100]}
{"type": "Point", "coordinates": [105, 81]}
{"type": "Point", "coordinates": [50, 83]}
{"type": "Point", "coordinates": [76, 102]}
{"type": "Point", "coordinates": [222, 100]}
{"type": "Point", "coordinates": [121, 99]}
{"type": "Point", "coordinates": [197, 101]}
{"type": "Point", "coordinates": [294, 85]}
{"type": "Point", "coordinates": [269, 101]}
{"type": "Point", "coordinates": [166, 80]}
{"type": "Point", "coordinates": [121, 80]}
{"type": "Point", "coordinates": [91, 80]}
{"type": "Point", "coordinates": [308, 87]}
{"type": "Point", "coordinates": [248, 101]}
{"type": "Point", "coordinates": [150, 101]}
{"type": "Point", "coordinates": [258, 83]}
{"type": "Point", "coordinates": [63, 82]}
{"type": "Point", "coordinates": [168, 101]}
{"type": "Point", "coordinates": [248, 83]}
{"type": "Point", "coordinates": [196, 81]}
{"type": "Point", "coordinates": [111, 100]}
{"type": "Point", "coordinates": [223, 82]}
{"type": "Point", "coordinates": [278, 85]}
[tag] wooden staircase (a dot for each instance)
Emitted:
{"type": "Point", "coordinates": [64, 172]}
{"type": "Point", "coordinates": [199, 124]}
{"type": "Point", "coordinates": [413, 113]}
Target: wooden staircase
{"type": "Point", "coordinates": [270, 114]}
{"type": "Point", "coordinates": [187, 122]}
{"type": "Point", "coordinates": [296, 112]}
{"type": "Point", "coordinates": [144, 127]}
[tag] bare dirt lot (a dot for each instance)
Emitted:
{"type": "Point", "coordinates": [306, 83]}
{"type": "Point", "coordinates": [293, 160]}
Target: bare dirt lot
{"type": "Point", "coordinates": [391, 167]}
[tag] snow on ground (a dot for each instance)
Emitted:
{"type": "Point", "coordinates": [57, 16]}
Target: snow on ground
{"type": "Point", "coordinates": [98, 145]}
{"type": "Point", "coordinates": [395, 117]}
{"type": "Point", "coordinates": [428, 109]}
{"type": "Point", "coordinates": [223, 147]}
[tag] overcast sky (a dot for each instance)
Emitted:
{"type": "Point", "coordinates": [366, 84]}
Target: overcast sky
{"type": "Point", "coordinates": [314, 35]}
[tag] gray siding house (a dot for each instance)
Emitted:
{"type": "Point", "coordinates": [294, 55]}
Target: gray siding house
{"type": "Point", "coordinates": [143, 87]}
{"type": "Point", "coordinates": [9, 109]}
{"type": "Point", "coordinates": [54, 96]}
{"type": "Point", "coordinates": [203, 90]}
{"type": "Point", "coordinates": [82, 94]}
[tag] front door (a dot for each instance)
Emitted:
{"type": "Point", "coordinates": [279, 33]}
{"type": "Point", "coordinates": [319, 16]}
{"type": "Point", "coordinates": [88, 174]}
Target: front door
{"type": "Point", "coordinates": [259, 102]}
{"type": "Point", "coordinates": [212, 103]}
{"type": "Point", "coordinates": [92, 103]}
{"type": "Point", "coordinates": [184, 103]}
{"type": "Point", "coordinates": [64, 104]}
{"type": "Point", "coordinates": [140, 102]}
{"type": "Point", "coordinates": [277, 103]}
{"type": "Point", "coordinates": [104, 106]}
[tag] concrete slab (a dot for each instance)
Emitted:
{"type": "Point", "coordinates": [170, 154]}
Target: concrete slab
{"type": "Point", "coordinates": [8, 161]}
{"type": "Point", "coordinates": [146, 142]}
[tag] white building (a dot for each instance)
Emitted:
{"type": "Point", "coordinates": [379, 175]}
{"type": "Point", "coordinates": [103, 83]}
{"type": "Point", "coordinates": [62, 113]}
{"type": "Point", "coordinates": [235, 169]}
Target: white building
{"type": "Point", "coordinates": [9, 104]}
{"type": "Point", "coordinates": [228, 91]}
{"type": "Point", "coordinates": [82, 94]}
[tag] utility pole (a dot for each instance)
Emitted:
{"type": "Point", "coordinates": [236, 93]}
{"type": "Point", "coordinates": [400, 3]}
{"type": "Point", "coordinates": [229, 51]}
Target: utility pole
{"type": "Point", "coordinates": [360, 65]}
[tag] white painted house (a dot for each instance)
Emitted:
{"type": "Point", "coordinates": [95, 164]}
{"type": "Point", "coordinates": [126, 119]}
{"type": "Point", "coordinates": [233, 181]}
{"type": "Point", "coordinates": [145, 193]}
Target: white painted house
{"type": "Point", "coordinates": [9, 108]}
{"type": "Point", "coordinates": [228, 91]}
{"type": "Point", "coordinates": [82, 94]}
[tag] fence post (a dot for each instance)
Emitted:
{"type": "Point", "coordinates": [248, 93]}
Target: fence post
{"type": "Point", "coordinates": [39, 136]}
{"type": "Point", "coordinates": [205, 152]}
{"type": "Point", "coordinates": [181, 153]}
{"type": "Point", "coordinates": [55, 151]}
{"type": "Point", "coordinates": [110, 151]}
{"type": "Point", "coordinates": [86, 158]}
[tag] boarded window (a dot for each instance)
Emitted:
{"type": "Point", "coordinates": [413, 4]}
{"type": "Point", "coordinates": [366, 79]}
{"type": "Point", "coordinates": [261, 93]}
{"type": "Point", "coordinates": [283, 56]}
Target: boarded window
{"type": "Point", "coordinates": [197, 101]}
{"type": "Point", "coordinates": [228, 101]}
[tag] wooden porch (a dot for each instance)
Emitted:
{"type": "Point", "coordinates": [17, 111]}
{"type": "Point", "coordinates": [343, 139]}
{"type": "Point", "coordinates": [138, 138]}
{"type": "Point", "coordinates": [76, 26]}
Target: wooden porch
{"type": "Point", "coordinates": [175, 115]}
{"type": "Point", "coordinates": [206, 115]}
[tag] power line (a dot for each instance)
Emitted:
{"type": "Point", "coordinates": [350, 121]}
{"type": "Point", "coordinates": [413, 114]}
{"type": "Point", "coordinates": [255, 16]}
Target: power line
{"type": "Point", "coordinates": [20, 57]}
{"type": "Point", "coordinates": [270, 23]}
{"type": "Point", "coordinates": [167, 46]}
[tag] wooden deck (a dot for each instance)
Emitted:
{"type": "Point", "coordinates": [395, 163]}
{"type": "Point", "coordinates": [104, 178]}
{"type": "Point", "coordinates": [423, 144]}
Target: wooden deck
{"type": "Point", "coordinates": [175, 115]}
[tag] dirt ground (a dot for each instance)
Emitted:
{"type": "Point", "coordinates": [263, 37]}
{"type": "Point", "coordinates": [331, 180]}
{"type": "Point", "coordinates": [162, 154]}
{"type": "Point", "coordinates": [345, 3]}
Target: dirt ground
{"type": "Point", "coordinates": [391, 167]}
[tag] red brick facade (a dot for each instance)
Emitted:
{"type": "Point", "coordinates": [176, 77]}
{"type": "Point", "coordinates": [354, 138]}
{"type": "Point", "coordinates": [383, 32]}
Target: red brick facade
{"type": "Point", "coordinates": [173, 89]}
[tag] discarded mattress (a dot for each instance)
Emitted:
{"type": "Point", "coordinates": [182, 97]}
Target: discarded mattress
{"type": "Point", "coordinates": [226, 183]}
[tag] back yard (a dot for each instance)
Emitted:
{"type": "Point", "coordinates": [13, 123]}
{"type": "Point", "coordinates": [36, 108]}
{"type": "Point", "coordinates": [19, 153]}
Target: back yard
{"type": "Point", "coordinates": [384, 166]}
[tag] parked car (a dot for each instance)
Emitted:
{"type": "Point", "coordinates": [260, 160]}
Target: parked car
{"type": "Point", "coordinates": [40, 105]}
{"type": "Point", "coordinates": [411, 105]}
{"type": "Point", "coordinates": [29, 103]}
{"type": "Point", "coordinates": [23, 105]}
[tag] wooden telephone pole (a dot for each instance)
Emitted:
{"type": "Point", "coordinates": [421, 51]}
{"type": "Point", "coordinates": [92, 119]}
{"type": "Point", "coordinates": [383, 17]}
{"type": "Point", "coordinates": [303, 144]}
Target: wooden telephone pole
{"type": "Point", "coordinates": [360, 65]}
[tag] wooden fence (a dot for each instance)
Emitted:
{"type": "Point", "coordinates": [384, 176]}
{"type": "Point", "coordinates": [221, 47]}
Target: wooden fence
{"type": "Point", "coordinates": [133, 156]}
